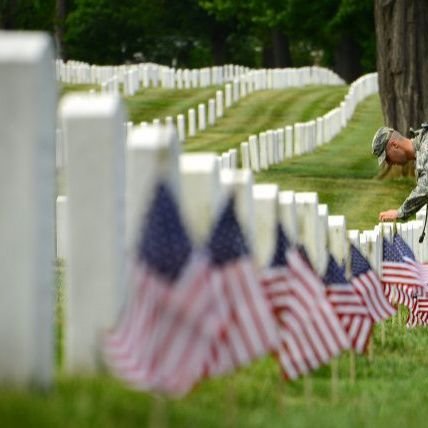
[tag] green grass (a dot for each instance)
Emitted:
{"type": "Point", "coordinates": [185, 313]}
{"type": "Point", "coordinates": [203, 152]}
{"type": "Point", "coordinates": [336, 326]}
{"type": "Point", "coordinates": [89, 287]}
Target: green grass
{"type": "Point", "coordinates": [266, 110]}
{"type": "Point", "coordinates": [148, 104]}
{"type": "Point", "coordinates": [66, 88]}
{"type": "Point", "coordinates": [389, 391]}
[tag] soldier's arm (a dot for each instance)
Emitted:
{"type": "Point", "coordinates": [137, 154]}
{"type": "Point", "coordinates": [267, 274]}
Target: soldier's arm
{"type": "Point", "coordinates": [417, 198]}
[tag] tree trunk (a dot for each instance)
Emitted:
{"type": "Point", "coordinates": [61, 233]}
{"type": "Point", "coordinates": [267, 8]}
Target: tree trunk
{"type": "Point", "coordinates": [402, 61]}
{"type": "Point", "coordinates": [218, 46]}
{"type": "Point", "coordinates": [267, 54]}
{"type": "Point", "coordinates": [276, 50]}
{"type": "Point", "coordinates": [347, 59]}
{"type": "Point", "coordinates": [59, 27]}
{"type": "Point", "coordinates": [280, 49]}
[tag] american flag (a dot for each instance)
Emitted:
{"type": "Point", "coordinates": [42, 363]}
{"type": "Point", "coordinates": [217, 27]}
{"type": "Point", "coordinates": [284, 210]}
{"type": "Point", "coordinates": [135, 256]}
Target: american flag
{"type": "Point", "coordinates": [348, 306]}
{"type": "Point", "coordinates": [418, 315]}
{"type": "Point", "coordinates": [164, 331]}
{"type": "Point", "coordinates": [418, 307]}
{"type": "Point", "coordinates": [401, 295]}
{"type": "Point", "coordinates": [310, 332]}
{"type": "Point", "coordinates": [401, 280]}
{"type": "Point", "coordinates": [247, 328]}
{"type": "Point", "coordinates": [395, 269]}
{"type": "Point", "coordinates": [421, 271]}
{"type": "Point", "coordinates": [369, 287]}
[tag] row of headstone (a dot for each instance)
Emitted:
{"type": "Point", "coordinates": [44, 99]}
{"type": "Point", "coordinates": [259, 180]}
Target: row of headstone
{"type": "Point", "coordinates": [148, 74]}
{"type": "Point", "coordinates": [154, 75]}
{"type": "Point", "coordinates": [307, 135]}
{"type": "Point", "coordinates": [273, 146]}
{"type": "Point", "coordinates": [370, 241]}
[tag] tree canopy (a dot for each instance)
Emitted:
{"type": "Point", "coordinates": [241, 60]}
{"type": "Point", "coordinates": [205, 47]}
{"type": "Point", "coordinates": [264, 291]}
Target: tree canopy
{"type": "Point", "coordinates": [271, 33]}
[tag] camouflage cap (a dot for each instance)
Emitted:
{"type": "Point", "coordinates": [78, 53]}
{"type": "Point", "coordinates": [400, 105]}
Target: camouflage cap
{"type": "Point", "coordinates": [379, 143]}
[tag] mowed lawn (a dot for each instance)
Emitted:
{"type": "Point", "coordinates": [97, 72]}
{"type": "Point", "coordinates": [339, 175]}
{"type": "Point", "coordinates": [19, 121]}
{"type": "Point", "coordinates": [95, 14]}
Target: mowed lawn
{"type": "Point", "coordinates": [390, 390]}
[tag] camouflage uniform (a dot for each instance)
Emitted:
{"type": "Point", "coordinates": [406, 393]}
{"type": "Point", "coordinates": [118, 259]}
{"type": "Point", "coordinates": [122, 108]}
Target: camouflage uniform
{"type": "Point", "coordinates": [419, 195]}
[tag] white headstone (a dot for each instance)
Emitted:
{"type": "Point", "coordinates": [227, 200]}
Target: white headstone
{"type": "Point", "coordinates": [152, 156]}
{"type": "Point", "coordinates": [225, 160]}
{"type": "Point", "coordinates": [323, 237]}
{"type": "Point", "coordinates": [192, 122]}
{"type": "Point", "coordinates": [236, 91]}
{"type": "Point", "coordinates": [270, 147]}
{"type": "Point", "coordinates": [228, 89]}
{"type": "Point", "coordinates": [219, 103]}
{"type": "Point", "coordinates": [266, 219]}
{"type": "Point", "coordinates": [202, 117]}
{"type": "Point", "coordinates": [245, 155]}
{"type": "Point", "coordinates": [254, 153]}
{"type": "Point", "coordinates": [308, 221]}
{"type": "Point", "coordinates": [169, 121]}
{"type": "Point", "coordinates": [95, 173]}
{"type": "Point", "coordinates": [281, 144]}
{"type": "Point", "coordinates": [264, 151]}
{"type": "Point", "coordinates": [289, 148]}
{"type": "Point", "coordinates": [354, 237]}
{"type": "Point", "coordinates": [233, 158]}
{"type": "Point", "coordinates": [288, 214]}
{"type": "Point", "coordinates": [181, 128]}
{"type": "Point", "coordinates": [27, 187]}
{"type": "Point", "coordinates": [240, 183]}
{"type": "Point", "coordinates": [211, 111]}
{"type": "Point", "coordinates": [200, 180]}
{"type": "Point", "coordinates": [338, 243]}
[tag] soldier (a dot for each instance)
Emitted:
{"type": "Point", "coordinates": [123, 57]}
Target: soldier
{"type": "Point", "coordinates": [392, 148]}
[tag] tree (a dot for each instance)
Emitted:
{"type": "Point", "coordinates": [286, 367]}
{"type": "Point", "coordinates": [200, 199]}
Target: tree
{"type": "Point", "coordinates": [402, 61]}
{"type": "Point", "coordinates": [27, 15]}
{"type": "Point", "coordinates": [340, 31]}
{"type": "Point", "coordinates": [264, 19]}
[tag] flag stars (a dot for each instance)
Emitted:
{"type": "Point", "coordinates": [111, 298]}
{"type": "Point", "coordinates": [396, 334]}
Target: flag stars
{"type": "Point", "coordinates": [335, 274]}
{"type": "Point", "coordinates": [227, 242]}
{"type": "Point", "coordinates": [164, 244]}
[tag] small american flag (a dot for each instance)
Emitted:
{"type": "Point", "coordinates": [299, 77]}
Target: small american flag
{"type": "Point", "coordinates": [418, 315]}
{"type": "Point", "coordinates": [401, 279]}
{"type": "Point", "coordinates": [395, 269]}
{"type": "Point", "coordinates": [369, 287]}
{"type": "Point", "coordinates": [348, 306]}
{"type": "Point", "coordinates": [247, 329]}
{"type": "Point", "coordinates": [418, 306]}
{"type": "Point", "coordinates": [163, 334]}
{"type": "Point", "coordinates": [310, 332]}
{"type": "Point", "coordinates": [421, 271]}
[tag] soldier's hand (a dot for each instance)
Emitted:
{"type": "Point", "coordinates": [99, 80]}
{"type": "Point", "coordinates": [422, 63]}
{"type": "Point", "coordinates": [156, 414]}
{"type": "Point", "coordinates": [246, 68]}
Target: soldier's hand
{"type": "Point", "coordinates": [389, 215]}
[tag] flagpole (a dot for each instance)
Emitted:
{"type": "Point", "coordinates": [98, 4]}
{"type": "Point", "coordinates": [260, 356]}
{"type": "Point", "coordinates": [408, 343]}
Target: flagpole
{"type": "Point", "coordinates": [370, 350]}
{"type": "Point", "coordinates": [334, 366]}
{"type": "Point", "coordinates": [158, 417]}
{"type": "Point", "coordinates": [352, 366]}
{"type": "Point", "coordinates": [382, 326]}
{"type": "Point", "coordinates": [308, 388]}
{"type": "Point", "coordinates": [231, 417]}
